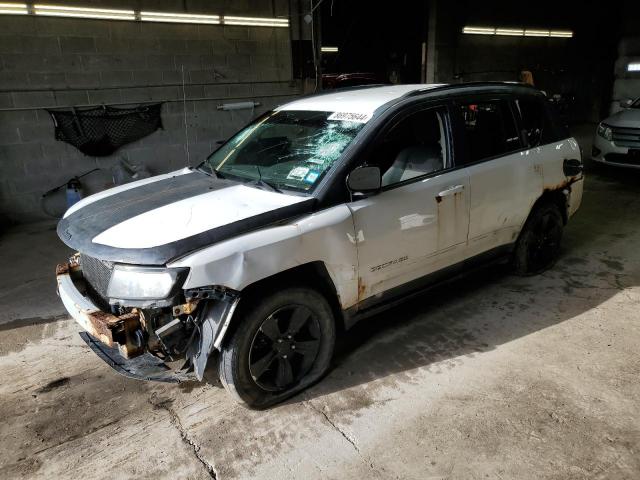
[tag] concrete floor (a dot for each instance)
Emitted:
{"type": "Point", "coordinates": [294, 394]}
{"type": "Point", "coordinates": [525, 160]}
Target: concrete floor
{"type": "Point", "coordinates": [493, 376]}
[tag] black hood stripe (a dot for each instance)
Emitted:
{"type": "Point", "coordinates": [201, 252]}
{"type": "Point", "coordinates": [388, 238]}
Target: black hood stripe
{"type": "Point", "coordinates": [78, 229]}
{"type": "Point", "coordinates": [114, 209]}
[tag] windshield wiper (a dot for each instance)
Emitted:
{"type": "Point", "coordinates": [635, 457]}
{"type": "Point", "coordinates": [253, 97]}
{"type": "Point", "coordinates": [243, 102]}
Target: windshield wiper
{"type": "Point", "coordinates": [264, 183]}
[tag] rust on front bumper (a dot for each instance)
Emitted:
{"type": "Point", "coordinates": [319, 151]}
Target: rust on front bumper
{"type": "Point", "coordinates": [117, 331]}
{"type": "Point", "coordinates": [121, 331]}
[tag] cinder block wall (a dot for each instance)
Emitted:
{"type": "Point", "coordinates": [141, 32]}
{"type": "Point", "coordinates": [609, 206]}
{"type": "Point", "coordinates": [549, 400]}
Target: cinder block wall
{"type": "Point", "coordinates": [48, 62]}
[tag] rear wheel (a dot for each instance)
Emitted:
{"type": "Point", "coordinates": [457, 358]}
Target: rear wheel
{"type": "Point", "coordinates": [282, 344]}
{"type": "Point", "coordinates": [539, 243]}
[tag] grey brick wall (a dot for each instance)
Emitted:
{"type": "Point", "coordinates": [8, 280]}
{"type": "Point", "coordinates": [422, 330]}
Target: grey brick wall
{"type": "Point", "coordinates": [48, 62]}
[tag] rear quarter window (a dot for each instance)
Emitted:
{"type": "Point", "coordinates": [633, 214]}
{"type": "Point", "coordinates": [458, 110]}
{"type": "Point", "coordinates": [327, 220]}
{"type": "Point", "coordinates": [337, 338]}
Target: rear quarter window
{"type": "Point", "coordinates": [539, 122]}
{"type": "Point", "coordinates": [489, 129]}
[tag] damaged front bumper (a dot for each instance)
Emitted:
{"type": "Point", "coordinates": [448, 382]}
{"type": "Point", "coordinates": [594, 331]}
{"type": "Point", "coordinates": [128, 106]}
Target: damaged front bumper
{"type": "Point", "coordinates": [123, 341]}
{"type": "Point", "coordinates": [143, 367]}
{"type": "Point", "coordinates": [114, 331]}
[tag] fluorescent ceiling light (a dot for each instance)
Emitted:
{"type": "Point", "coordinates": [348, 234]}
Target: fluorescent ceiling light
{"type": "Point", "coordinates": [633, 67]}
{"type": "Point", "coordinates": [329, 49]}
{"type": "Point", "coordinates": [13, 9]}
{"type": "Point", "coordinates": [150, 16]}
{"type": "Point", "coordinates": [561, 33]}
{"type": "Point", "coordinates": [179, 18]}
{"type": "Point", "coordinates": [536, 33]}
{"type": "Point", "coordinates": [517, 32]}
{"type": "Point", "coordinates": [512, 32]}
{"type": "Point", "coordinates": [82, 12]}
{"type": "Point", "coordinates": [256, 22]}
{"type": "Point", "coordinates": [479, 30]}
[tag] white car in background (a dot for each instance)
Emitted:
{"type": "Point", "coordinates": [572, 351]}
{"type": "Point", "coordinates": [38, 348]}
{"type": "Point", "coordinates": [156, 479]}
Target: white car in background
{"type": "Point", "coordinates": [318, 214]}
{"type": "Point", "coordinates": [617, 138]}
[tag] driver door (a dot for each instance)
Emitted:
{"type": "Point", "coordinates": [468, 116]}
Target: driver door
{"type": "Point", "coordinates": [418, 223]}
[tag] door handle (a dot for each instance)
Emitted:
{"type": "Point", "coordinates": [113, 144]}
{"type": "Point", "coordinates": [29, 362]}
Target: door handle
{"type": "Point", "coordinates": [451, 190]}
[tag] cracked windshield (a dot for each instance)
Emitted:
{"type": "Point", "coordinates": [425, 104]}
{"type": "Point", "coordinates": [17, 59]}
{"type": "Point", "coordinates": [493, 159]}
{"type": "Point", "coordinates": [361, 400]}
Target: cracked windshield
{"type": "Point", "coordinates": [286, 149]}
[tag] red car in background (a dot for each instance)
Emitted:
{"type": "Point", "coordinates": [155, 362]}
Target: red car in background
{"type": "Point", "coordinates": [341, 80]}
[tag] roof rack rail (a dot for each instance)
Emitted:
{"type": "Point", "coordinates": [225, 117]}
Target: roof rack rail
{"type": "Point", "coordinates": [450, 86]}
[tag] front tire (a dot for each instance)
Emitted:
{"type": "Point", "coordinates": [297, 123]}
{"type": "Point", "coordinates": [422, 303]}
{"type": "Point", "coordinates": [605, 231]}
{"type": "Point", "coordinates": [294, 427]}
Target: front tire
{"type": "Point", "coordinates": [539, 244]}
{"type": "Point", "coordinates": [282, 343]}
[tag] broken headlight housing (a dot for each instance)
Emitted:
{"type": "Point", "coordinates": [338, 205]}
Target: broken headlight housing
{"type": "Point", "coordinates": [129, 282]}
{"type": "Point", "coordinates": [605, 131]}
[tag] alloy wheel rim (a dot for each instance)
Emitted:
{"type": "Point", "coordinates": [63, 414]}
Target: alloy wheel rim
{"type": "Point", "coordinates": [284, 348]}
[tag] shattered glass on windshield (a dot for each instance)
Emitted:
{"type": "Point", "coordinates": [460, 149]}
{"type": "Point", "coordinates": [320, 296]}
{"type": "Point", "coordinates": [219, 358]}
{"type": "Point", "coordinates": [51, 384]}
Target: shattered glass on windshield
{"type": "Point", "coordinates": [286, 149]}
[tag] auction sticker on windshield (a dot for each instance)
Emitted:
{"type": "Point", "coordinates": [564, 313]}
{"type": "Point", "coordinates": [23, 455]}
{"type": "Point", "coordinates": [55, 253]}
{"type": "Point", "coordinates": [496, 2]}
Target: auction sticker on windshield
{"type": "Point", "coordinates": [350, 117]}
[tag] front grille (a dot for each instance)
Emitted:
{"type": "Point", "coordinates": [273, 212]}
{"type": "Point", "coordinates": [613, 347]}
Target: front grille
{"type": "Point", "coordinates": [97, 274]}
{"type": "Point", "coordinates": [626, 137]}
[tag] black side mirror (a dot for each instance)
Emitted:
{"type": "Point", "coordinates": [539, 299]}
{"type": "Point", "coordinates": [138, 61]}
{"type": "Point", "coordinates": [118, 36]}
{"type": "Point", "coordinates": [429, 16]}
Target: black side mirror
{"type": "Point", "coordinates": [364, 179]}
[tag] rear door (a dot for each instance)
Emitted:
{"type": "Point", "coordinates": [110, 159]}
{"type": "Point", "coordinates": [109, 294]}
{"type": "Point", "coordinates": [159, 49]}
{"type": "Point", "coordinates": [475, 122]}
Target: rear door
{"type": "Point", "coordinates": [504, 177]}
{"type": "Point", "coordinates": [418, 223]}
{"type": "Point", "coordinates": [549, 143]}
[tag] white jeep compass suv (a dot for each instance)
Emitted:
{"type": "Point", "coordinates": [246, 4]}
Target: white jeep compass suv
{"type": "Point", "coordinates": [319, 213]}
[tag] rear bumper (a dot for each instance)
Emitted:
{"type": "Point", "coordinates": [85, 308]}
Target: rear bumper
{"type": "Point", "coordinates": [121, 332]}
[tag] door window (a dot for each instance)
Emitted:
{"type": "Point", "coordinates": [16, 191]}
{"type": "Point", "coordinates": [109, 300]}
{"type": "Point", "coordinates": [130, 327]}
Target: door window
{"type": "Point", "coordinates": [490, 129]}
{"type": "Point", "coordinates": [414, 147]}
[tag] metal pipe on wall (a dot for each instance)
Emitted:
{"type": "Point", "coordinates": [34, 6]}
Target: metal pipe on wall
{"type": "Point", "coordinates": [199, 99]}
{"type": "Point", "coordinates": [130, 87]}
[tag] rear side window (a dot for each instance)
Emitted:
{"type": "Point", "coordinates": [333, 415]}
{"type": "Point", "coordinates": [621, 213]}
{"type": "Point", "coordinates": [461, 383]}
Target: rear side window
{"type": "Point", "coordinates": [536, 121]}
{"type": "Point", "coordinates": [490, 129]}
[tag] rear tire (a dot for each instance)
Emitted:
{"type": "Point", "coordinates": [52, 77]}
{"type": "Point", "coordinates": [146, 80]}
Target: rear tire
{"type": "Point", "coordinates": [539, 243]}
{"type": "Point", "coordinates": [282, 343]}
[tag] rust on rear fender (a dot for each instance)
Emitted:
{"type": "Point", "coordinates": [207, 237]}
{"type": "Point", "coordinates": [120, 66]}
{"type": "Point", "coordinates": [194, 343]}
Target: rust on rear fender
{"type": "Point", "coordinates": [564, 184]}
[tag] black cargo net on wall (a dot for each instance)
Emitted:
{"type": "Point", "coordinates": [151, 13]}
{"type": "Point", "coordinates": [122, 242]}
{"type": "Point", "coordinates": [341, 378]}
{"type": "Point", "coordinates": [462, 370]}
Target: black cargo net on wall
{"type": "Point", "coordinates": [102, 130]}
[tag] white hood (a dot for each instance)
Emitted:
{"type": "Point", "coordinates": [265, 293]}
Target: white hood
{"type": "Point", "coordinates": [192, 216]}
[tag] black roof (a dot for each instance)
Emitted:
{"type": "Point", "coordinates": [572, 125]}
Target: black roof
{"type": "Point", "coordinates": [479, 87]}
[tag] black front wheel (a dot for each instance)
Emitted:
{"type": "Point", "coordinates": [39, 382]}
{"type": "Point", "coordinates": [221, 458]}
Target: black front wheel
{"type": "Point", "coordinates": [281, 344]}
{"type": "Point", "coordinates": [539, 243]}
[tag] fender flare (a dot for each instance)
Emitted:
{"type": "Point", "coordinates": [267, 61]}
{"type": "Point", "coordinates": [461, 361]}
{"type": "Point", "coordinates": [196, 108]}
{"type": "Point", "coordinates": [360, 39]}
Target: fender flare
{"type": "Point", "coordinates": [213, 323]}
